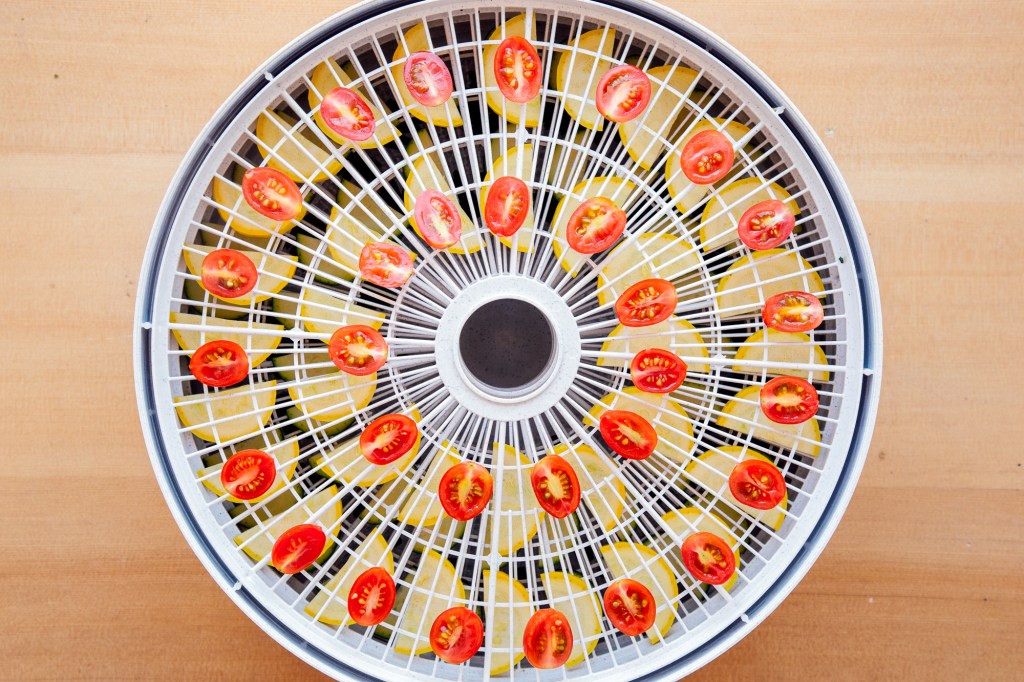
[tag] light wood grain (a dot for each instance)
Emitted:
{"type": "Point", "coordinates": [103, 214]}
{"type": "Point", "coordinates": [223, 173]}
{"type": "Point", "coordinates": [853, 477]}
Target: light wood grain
{"type": "Point", "coordinates": [918, 102]}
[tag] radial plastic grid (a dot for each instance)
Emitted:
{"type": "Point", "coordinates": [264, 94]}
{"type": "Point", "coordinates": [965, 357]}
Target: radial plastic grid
{"type": "Point", "coordinates": [627, 506]}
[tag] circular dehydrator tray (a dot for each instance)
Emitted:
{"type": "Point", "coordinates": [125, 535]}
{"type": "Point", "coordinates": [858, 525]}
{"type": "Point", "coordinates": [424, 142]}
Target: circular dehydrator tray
{"type": "Point", "coordinates": [512, 559]}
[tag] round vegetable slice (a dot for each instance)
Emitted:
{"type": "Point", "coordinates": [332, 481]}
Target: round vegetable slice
{"type": "Point", "coordinates": [656, 370]}
{"type": "Point", "coordinates": [708, 558]}
{"type": "Point", "coordinates": [372, 597]}
{"type": "Point", "coordinates": [456, 635]}
{"type": "Point", "coordinates": [707, 157]}
{"type": "Point", "coordinates": [630, 606]}
{"type": "Point", "coordinates": [517, 68]}
{"type": "Point", "coordinates": [347, 114]}
{"type": "Point", "coordinates": [385, 264]}
{"type": "Point", "coordinates": [793, 311]}
{"type": "Point", "coordinates": [628, 434]}
{"type": "Point", "coordinates": [219, 363]}
{"type": "Point", "coordinates": [647, 302]}
{"type": "Point", "coordinates": [766, 225]}
{"type": "Point", "coordinates": [623, 93]}
{"type": "Point", "coordinates": [465, 490]}
{"type": "Point", "coordinates": [507, 205]}
{"type": "Point", "coordinates": [428, 79]}
{"type": "Point", "coordinates": [757, 484]}
{"type": "Point", "coordinates": [595, 225]}
{"type": "Point", "coordinates": [248, 474]}
{"type": "Point", "coordinates": [387, 438]}
{"type": "Point", "coordinates": [547, 640]}
{"type": "Point", "coordinates": [556, 486]}
{"type": "Point", "coordinates": [271, 193]}
{"type": "Point", "coordinates": [298, 547]}
{"type": "Point", "coordinates": [358, 349]}
{"type": "Point", "coordinates": [789, 400]}
{"type": "Point", "coordinates": [228, 273]}
{"type": "Point", "coordinates": [438, 220]}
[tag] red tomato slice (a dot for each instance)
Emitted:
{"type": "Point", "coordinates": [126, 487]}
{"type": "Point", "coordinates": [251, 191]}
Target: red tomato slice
{"type": "Point", "coordinates": [789, 400]}
{"type": "Point", "coordinates": [465, 490]}
{"type": "Point", "coordinates": [358, 350]}
{"type": "Point", "coordinates": [437, 219]}
{"type": "Point", "coordinates": [387, 438]}
{"type": "Point", "coordinates": [595, 225]}
{"type": "Point", "coordinates": [372, 597]}
{"type": "Point", "coordinates": [628, 434]}
{"type": "Point", "coordinates": [348, 114]}
{"type": "Point", "coordinates": [228, 273]}
{"type": "Point", "coordinates": [271, 193]}
{"type": "Point", "coordinates": [707, 157]}
{"type": "Point", "coordinates": [766, 225]}
{"type": "Point", "coordinates": [298, 548]}
{"type": "Point", "coordinates": [456, 635]}
{"type": "Point", "coordinates": [708, 558]}
{"type": "Point", "coordinates": [219, 363]}
{"type": "Point", "coordinates": [647, 302]}
{"type": "Point", "coordinates": [793, 311]}
{"type": "Point", "coordinates": [385, 264]}
{"type": "Point", "coordinates": [508, 203]}
{"type": "Point", "coordinates": [517, 69]}
{"type": "Point", "coordinates": [248, 474]}
{"type": "Point", "coordinates": [655, 370]}
{"type": "Point", "coordinates": [630, 606]}
{"type": "Point", "coordinates": [547, 641]}
{"type": "Point", "coordinates": [556, 486]}
{"type": "Point", "coordinates": [757, 484]}
{"type": "Point", "coordinates": [428, 79]}
{"type": "Point", "coordinates": [623, 93]}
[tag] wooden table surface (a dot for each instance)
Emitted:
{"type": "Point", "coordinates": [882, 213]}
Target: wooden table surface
{"type": "Point", "coordinates": [919, 103]}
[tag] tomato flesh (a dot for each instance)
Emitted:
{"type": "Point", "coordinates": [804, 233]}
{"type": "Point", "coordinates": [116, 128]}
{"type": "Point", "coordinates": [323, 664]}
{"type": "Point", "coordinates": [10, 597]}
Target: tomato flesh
{"type": "Point", "coordinates": [465, 490]}
{"type": "Point", "coordinates": [707, 157]}
{"type": "Point", "coordinates": [595, 225]}
{"type": "Point", "coordinates": [630, 606]}
{"type": "Point", "coordinates": [438, 220]}
{"type": "Point", "coordinates": [556, 486]}
{"type": "Point", "coordinates": [623, 93]}
{"type": "Point", "coordinates": [347, 114]}
{"type": "Point", "coordinates": [757, 484]}
{"type": "Point", "coordinates": [793, 311]}
{"type": "Point", "coordinates": [507, 205]}
{"type": "Point", "coordinates": [298, 548]}
{"type": "Point", "coordinates": [357, 349]}
{"type": "Point", "coordinates": [708, 558]}
{"type": "Point", "coordinates": [385, 264]}
{"type": "Point", "coordinates": [227, 273]}
{"type": "Point", "coordinates": [372, 597]}
{"type": "Point", "coordinates": [387, 438]}
{"type": "Point", "coordinates": [456, 635]}
{"type": "Point", "coordinates": [628, 434]}
{"type": "Point", "coordinates": [766, 225]}
{"type": "Point", "coordinates": [656, 370]}
{"type": "Point", "coordinates": [517, 69]}
{"type": "Point", "coordinates": [547, 640]}
{"type": "Point", "coordinates": [789, 400]}
{"type": "Point", "coordinates": [248, 474]}
{"type": "Point", "coordinates": [271, 193]}
{"type": "Point", "coordinates": [647, 302]}
{"type": "Point", "coordinates": [428, 79]}
{"type": "Point", "coordinates": [219, 363]}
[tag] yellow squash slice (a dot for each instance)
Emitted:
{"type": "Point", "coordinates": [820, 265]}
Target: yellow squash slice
{"type": "Point", "coordinates": [435, 589]}
{"type": "Point", "coordinates": [326, 77]}
{"type": "Point", "coordinates": [239, 216]}
{"type": "Point", "coordinates": [347, 463]}
{"type": "Point", "coordinates": [578, 72]}
{"type": "Point", "coordinates": [244, 411]}
{"type": "Point", "coordinates": [516, 26]}
{"type": "Point", "coordinates": [684, 522]}
{"type": "Point", "coordinates": [257, 346]}
{"type": "Point", "coordinates": [793, 348]}
{"type": "Point", "coordinates": [616, 189]}
{"type": "Point", "coordinates": [684, 194]}
{"type": "Point", "coordinates": [602, 489]}
{"type": "Point", "coordinates": [327, 394]}
{"type": "Point", "coordinates": [774, 271]}
{"type": "Point", "coordinates": [573, 597]}
{"type": "Point", "coordinates": [509, 607]}
{"type": "Point", "coordinates": [517, 162]}
{"type": "Point", "coordinates": [723, 211]}
{"type": "Point", "coordinates": [520, 514]}
{"type": "Point", "coordinates": [644, 136]}
{"type": "Point", "coordinates": [711, 471]}
{"type": "Point", "coordinates": [294, 149]}
{"type": "Point", "coordinates": [745, 407]}
{"type": "Point", "coordinates": [323, 313]}
{"type": "Point", "coordinates": [330, 605]}
{"type": "Point", "coordinates": [669, 419]}
{"type": "Point", "coordinates": [422, 506]}
{"type": "Point", "coordinates": [286, 455]}
{"type": "Point", "coordinates": [665, 256]}
{"type": "Point", "coordinates": [275, 271]}
{"type": "Point", "coordinates": [674, 334]}
{"type": "Point", "coordinates": [322, 509]}
{"type": "Point", "coordinates": [415, 40]}
{"type": "Point", "coordinates": [644, 565]}
{"type": "Point", "coordinates": [357, 223]}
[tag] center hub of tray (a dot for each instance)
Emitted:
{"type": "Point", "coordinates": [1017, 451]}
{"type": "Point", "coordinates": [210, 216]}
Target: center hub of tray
{"type": "Point", "coordinates": [507, 344]}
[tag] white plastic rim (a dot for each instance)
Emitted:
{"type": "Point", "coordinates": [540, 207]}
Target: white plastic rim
{"type": "Point", "coordinates": [708, 621]}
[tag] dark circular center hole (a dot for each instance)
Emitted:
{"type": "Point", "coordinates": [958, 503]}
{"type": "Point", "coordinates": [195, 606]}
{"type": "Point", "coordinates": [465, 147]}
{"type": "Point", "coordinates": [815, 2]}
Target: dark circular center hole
{"type": "Point", "coordinates": [506, 343]}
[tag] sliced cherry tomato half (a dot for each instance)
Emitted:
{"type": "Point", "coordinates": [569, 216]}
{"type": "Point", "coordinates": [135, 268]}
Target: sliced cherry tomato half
{"type": "Point", "coordinates": [438, 220]}
{"type": "Point", "coordinates": [766, 225]}
{"type": "Point", "coordinates": [547, 641]}
{"type": "Point", "coordinates": [385, 264]}
{"type": "Point", "coordinates": [387, 438]}
{"type": "Point", "coordinates": [647, 302]}
{"type": "Point", "coordinates": [219, 363]}
{"type": "Point", "coordinates": [298, 548]}
{"type": "Point", "coordinates": [517, 69]}
{"type": "Point", "coordinates": [372, 597]}
{"type": "Point", "coordinates": [465, 490]}
{"type": "Point", "coordinates": [623, 93]}
{"type": "Point", "coordinates": [656, 370]}
{"type": "Point", "coordinates": [248, 474]}
{"type": "Point", "coordinates": [358, 350]}
{"type": "Point", "coordinates": [707, 157]}
{"type": "Point", "coordinates": [757, 484]}
{"type": "Point", "coordinates": [793, 311]}
{"type": "Point", "coordinates": [628, 434]}
{"type": "Point", "coordinates": [271, 193]}
{"type": "Point", "coordinates": [508, 203]}
{"type": "Point", "coordinates": [595, 225]}
{"type": "Point", "coordinates": [789, 400]}
{"type": "Point", "coordinates": [428, 79]}
{"type": "Point", "coordinates": [630, 606]}
{"type": "Point", "coordinates": [456, 635]}
{"type": "Point", "coordinates": [347, 114]}
{"type": "Point", "coordinates": [228, 273]}
{"type": "Point", "coordinates": [556, 486]}
{"type": "Point", "coordinates": [708, 558]}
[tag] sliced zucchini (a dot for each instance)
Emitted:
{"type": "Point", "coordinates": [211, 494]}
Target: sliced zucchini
{"type": "Point", "coordinates": [711, 471]}
{"type": "Point", "coordinates": [645, 137]}
{"type": "Point", "coordinates": [330, 604]}
{"type": "Point", "coordinates": [286, 455]}
{"type": "Point", "coordinates": [723, 210]}
{"type": "Point", "coordinates": [516, 26]}
{"type": "Point", "coordinates": [748, 283]}
{"type": "Point", "coordinates": [647, 567]}
{"type": "Point", "coordinates": [578, 72]}
{"type": "Point", "coordinates": [326, 77]}
{"type": "Point", "coordinates": [239, 216]}
{"type": "Point", "coordinates": [616, 189]}
{"type": "Point", "coordinates": [423, 507]}
{"type": "Point", "coordinates": [776, 346]}
{"type": "Point", "coordinates": [517, 162]}
{"type": "Point", "coordinates": [347, 463]}
{"type": "Point", "coordinates": [745, 407]}
{"type": "Point", "coordinates": [666, 415]}
{"type": "Point", "coordinates": [435, 588]}
{"type": "Point", "coordinates": [362, 220]}
{"type": "Point", "coordinates": [275, 271]}
{"type": "Point", "coordinates": [245, 410]}
{"type": "Point", "coordinates": [415, 40]}
{"type": "Point", "coordinates": [675, 334]}
{"type": "Point", "coordinates": [322, 509]}
{"type": "Point", "coordinates": [684, 522]}
{"type": "Point", "coordinates": [327, 394]}
{"type": "Point", "coordinates": [665, 256]}
{"type": "Point", "coordinates": [572, 596]}
{"type": "Point", "coordinates": [323, 313]}
{"type": "Point", "coordinates": [210, 304]}
{"type": "Point", "coordinates": [294, 149]}
{"type": "Point", "coordinates": [326, 272]}
{"type": "Point", "coordinates": [508, 608]}
{"type": "Point", "coordinates": [686, 195]}
{"type": "Point", "coordinates": [519, 514]}
{"type": "Point", "coordinates": [602, 489]}
{"type": "Point", "coordinates": [257, 346]}
{"type": "Point", "coordinates": [286, 310]}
